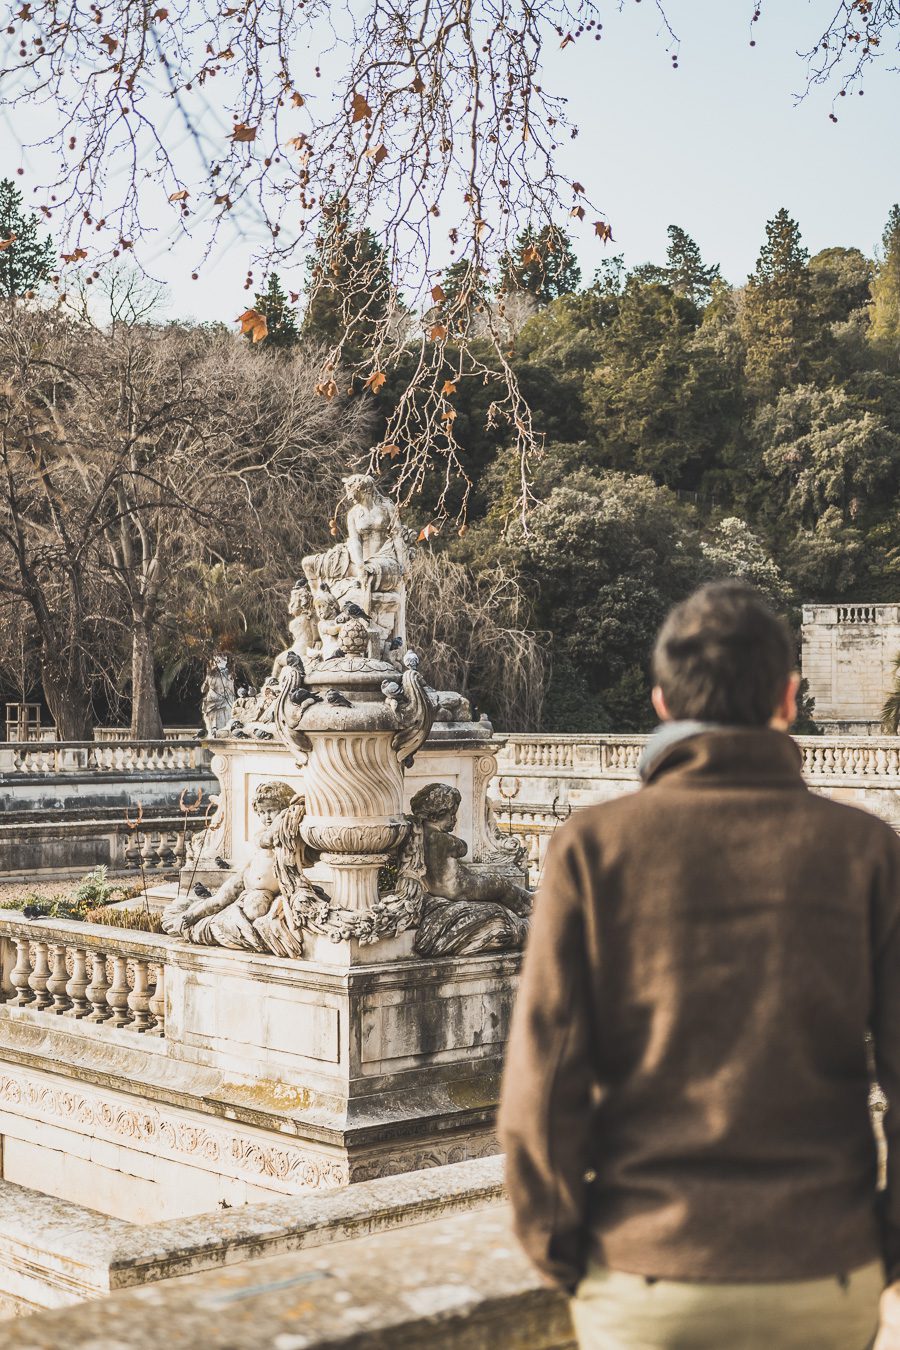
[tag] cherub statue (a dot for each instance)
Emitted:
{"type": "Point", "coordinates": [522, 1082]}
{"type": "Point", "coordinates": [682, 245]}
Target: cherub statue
{"type": "Point", "coordinates": [251, 910]}
{"type": "Point", "coordinates": [218, 696]}
{"type": "Point", "coordinates": [326, 609]}
{"type": "Point", "coordinates": [469, 909]}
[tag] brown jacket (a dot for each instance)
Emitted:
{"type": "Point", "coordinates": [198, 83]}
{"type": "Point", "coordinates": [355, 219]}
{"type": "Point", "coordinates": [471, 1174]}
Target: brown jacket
{"type": "Point", "coordinates": [686, 1084]}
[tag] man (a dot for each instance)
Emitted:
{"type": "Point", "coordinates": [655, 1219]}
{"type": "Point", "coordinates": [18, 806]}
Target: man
{"type": "Point", "coordinates": [685, 1108]}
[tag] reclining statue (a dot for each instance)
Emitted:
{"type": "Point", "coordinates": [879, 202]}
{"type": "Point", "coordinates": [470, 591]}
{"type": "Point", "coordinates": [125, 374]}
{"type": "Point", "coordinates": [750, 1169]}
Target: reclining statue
{"type": "Point", "coordinates": [251, 910]}
{"type": "Point", "coordinates": [468, 909]}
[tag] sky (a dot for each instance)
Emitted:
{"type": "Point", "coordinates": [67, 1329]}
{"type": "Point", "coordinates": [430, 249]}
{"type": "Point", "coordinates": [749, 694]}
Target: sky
{"type": "Point", "coordinates": [715, 146]}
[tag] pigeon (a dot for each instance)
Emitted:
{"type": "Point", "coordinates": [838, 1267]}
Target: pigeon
{"type": "Point", "coordinates": [337, 699]}
{"type": "Point", "coordinates": [395, 644]}
{"type": "Point", "coordinates": [223, 863]}
{"type": "Point", "coordinates": [200, 736]}
{"type": "Point", "coordinates": [391, 688]}
{"type": "Point", "coordinates": [235, 727]}
{"type": "Point", "coordinates": [241, 736]}
{"type": "Point", "coordinates": [262, 735]}
{"type": "Point", "coordinates": [294, 659]}
{"type": "Point", "coordinates": [252, 691]}
{"type": "Point", "coordinates": [411, 661]}
{"type": "Point", "coordinates": [352, 611]}
{"type": "Point", "coordinates": [242, 692]}
{"type": "Point", "coordinates": [337, 654]}
{"type": "Point", "coordinates": [301, 696]}
{"type": "Point", "coordinates": [32, 912]}
{"type": "Point", "coordinates": [202, 892]}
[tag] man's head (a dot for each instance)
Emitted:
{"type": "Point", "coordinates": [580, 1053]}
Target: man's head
{"type": "Point", "coordinates": [723, 656]}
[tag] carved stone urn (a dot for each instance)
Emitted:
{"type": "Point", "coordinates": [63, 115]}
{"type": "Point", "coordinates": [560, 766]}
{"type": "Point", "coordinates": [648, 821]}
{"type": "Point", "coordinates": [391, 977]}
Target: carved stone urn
{"type": "Point", "coordinates": [353, 742]}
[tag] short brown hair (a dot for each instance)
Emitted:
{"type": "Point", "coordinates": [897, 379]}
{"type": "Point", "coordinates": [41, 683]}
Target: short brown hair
{"type": "Point", "coordinates": [723, 656]}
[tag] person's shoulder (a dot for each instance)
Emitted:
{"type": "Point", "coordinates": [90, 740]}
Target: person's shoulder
{"type": "Point", "coordinates": [853, 821]}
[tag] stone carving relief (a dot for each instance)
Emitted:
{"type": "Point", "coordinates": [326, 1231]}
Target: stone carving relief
{"type": "Point", "coordinates": [149, 1130]}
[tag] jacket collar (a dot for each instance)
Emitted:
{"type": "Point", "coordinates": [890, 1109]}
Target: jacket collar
{"type": "Point", "coordinates": [705, 752]}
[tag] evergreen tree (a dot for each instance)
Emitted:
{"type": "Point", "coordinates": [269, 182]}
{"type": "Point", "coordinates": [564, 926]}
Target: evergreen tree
{"type": "Point", "coordinates": [686, 272]}
{"type": "Point", "coordinates": [777, 315]}
{"type": "Point", "coordinates": [543, 264]}
{"type": "Point", "coordinates": [884, 330]}
{"type": "Point", "coordinates": [281, 320]}
{"type": "Point", "coordinates": [26, 262]}
{"type": "Point", "coordinates": [465, 289]}
{"type": "Point", "coordinates": [348, 286]}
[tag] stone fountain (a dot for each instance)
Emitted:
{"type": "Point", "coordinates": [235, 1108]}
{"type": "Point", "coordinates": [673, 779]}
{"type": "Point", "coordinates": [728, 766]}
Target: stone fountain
{"type": "Point", "coordinates": [379, 877]}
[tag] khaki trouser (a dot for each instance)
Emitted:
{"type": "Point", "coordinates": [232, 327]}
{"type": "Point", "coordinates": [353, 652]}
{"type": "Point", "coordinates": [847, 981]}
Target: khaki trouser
{"type": "Point", "coordinates": [612, 1310]}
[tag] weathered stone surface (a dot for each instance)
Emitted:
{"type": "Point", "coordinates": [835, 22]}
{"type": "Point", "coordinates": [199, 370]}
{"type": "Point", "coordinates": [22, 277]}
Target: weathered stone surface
{"type": "Point", "coordinates": [55, 1253]}
{"type": "Point", "coordinates": [848, 658]}
{"type": "Point", "coordinates": [458, 1282]}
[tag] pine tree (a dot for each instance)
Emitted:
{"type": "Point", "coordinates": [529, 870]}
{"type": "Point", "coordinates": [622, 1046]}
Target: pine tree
{"type": "Point", "coordinates": [280, 318]}
{"type": "Point", "coordinates": [348, 286]}
{"type": "Point", "coordinates": [686, 272]}
{"type": "Point", "coordinates": [777, 315]}
{"type": "Point", "coordinates": [544, 265]}
{"type": "Point", "coordinates": [465, 289]}
{"type": "Point", "coordinates": [26, 262]}
{"type": "Point", "coordinates": [884, 329]}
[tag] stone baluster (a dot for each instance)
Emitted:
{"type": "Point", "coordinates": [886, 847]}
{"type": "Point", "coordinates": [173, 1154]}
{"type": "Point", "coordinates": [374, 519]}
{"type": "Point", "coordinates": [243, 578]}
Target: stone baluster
{"type": "Point", "coordinates": [39, 977]}
{"type": "Point", "coordinates": [157, 1003]}
{"type": "Point", "coordinates": [96, 990]}
{"type": "Point", "coordinates": [139, 998]}
{"type": "Point", "coordinates": [56, 985]}
{"type": "Point", "coordinates": [78, 983]}
{"type": "Point", "coordinates": [148, 851]}
{"type": "Point", "coordinates": [131, 853]}
{"type": "Point", "coordinates": [18, 976]}
{"type": "Point", "coordinates": [117, 994]}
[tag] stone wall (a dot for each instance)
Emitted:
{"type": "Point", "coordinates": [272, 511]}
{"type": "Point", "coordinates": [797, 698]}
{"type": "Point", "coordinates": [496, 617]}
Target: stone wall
{"type": "Point", "coordinates": [848, 658]}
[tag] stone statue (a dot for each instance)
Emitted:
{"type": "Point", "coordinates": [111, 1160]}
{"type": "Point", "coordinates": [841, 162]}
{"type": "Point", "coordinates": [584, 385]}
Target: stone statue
{"type": "Point", "coordinates": [252, 909]}
{"type": "Point", "coordinates": [218, 696]}
{"type": "Point", "coordinates": [369, 567]}
{"type": "Point", "coordinates": [303, 626]}
{"type": "Point", "coordinates": [469, 909]}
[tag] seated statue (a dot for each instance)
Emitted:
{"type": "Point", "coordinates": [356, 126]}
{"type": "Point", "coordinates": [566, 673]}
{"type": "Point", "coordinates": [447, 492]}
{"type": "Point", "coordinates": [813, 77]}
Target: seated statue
{"type": "Point", "coordinates": [469, 909]}
{"type": "Point", "coordinates": [369, 567]}
{"type": "Point", "coordinates": [250, 909]}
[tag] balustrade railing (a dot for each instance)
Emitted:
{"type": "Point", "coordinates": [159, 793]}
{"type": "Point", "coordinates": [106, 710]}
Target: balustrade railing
{"type": "Point", "coordinates": [56, 968]}
{"type": "Point", "coordinates": [824, 757]}
{"type": "Point", "coordinates": [61, 758]}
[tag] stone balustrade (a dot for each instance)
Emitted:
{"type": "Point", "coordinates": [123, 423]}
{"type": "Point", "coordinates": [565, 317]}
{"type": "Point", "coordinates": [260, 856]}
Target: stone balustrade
{"type": "Point", "coordinates": [119, 757]}
{"type": "Point", "coordinates": [541, 779]}
{"type": "Point", "coordinates": [74, 971]}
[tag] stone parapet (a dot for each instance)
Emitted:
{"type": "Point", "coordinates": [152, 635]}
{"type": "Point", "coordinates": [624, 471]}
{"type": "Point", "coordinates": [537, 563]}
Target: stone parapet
{"type": "Point", "coordinates": [55, 1253]}
{"type": "Point", "coordinates": [452, 1283]}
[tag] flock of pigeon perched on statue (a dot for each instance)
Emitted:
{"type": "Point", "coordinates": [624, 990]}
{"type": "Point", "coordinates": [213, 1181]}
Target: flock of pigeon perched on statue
{"type": "Point", "coordinates": [394, 694]}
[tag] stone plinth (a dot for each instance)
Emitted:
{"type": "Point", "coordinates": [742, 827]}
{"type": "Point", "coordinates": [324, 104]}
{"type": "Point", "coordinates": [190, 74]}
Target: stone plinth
{"type": "Point", "coordinates": [221, 1077]}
